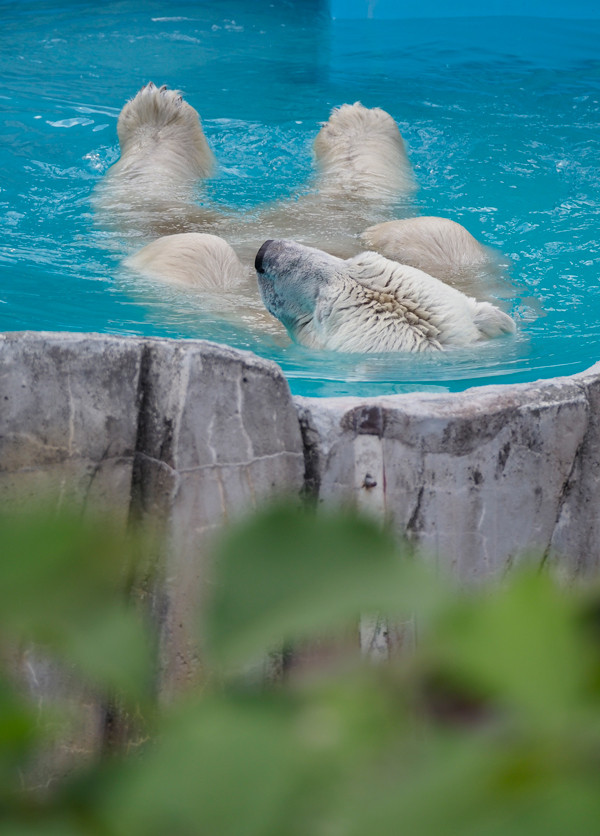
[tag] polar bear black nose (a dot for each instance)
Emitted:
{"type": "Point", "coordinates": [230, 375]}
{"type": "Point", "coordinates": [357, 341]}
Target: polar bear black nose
{"type": "Point", "coordinates": [260, 255]}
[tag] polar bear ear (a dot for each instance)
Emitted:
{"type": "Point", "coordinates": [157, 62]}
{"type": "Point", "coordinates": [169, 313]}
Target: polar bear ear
{"type": "Point", "coordinates": [198, 260]}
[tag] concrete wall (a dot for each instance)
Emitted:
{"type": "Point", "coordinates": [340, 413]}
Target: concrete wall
{"type": "Point", "coordinates": [187, 433]}
{"type": "Point", "coordinates": [476, 479]}
{"type": "Point", "coordinates": [191, 434]}
{"type": "Point", "coordinates": [403, 9]}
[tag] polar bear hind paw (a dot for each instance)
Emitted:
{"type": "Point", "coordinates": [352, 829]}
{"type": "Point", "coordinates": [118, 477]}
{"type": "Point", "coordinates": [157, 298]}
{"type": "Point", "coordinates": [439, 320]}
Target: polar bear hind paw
{"type": "Point", "coordinates": [151, 88]}
{"type": "Point", "coordinates": [159, 119]}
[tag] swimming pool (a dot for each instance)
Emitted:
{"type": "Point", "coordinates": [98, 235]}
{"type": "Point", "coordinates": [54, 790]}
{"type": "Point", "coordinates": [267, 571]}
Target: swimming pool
{"type": "Point", "coordinates": [501, 118]}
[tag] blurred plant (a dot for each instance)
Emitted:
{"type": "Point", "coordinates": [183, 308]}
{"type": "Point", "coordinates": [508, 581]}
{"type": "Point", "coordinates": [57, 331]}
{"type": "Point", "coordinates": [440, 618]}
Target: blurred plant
{"type": "Point", "coordinates": [490, 726]}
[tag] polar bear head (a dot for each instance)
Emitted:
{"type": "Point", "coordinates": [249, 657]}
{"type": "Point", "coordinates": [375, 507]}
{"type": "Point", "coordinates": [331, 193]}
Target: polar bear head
{"type": "Point", "coordinates": [368, 303]}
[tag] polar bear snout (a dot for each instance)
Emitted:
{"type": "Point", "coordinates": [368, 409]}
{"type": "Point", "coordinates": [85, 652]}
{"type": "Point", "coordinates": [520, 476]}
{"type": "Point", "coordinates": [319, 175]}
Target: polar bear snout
{"type": "Point", "coordinates": [290, 279]}
{"type": "Point", "coordinates": [368, 303]}
{"type": "Point", "coordinates": [275, 256]}
{"type": "Point", "coordinates": [281, 258]}
{"type": "Point", "coordinates": [258, 261]}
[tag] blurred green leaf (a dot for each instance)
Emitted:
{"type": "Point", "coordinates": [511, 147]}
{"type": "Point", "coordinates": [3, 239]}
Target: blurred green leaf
{"type": "Point", "coordinates": [220, 767]}
{"type": "Point", "coordinates": [61, 826]}
{"type": "Point", "coordinates": [57, 570]}
{"type": "Point", "coordinates": [19, 733]}
{"type": "Point", "coordinates": [523, 643]}
{"type": "Point", "coordinates": [470, 784]}
{"type": "Point", "coordinates": [489, 725]}
{"type": "Point", "coordinates": [257, 765]}
{"type": "Point", "coordinates": [287, 573]}
{"type": "Point", "coordinates": [113, 652]}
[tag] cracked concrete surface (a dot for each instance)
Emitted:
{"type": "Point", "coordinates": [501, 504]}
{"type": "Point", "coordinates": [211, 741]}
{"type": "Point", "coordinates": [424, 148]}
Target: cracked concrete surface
{"type": "Point", "coordinates": [218, 433]}
{"type": "Point", "coordinates": [477, 479]}
{"type": "Point", "coordinates": [189, 434]}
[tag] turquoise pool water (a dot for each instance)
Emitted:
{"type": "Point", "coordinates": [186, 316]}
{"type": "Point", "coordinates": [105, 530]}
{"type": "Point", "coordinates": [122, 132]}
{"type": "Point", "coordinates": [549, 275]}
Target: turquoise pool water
{"type": "Point", "coordinates": [501, 117]}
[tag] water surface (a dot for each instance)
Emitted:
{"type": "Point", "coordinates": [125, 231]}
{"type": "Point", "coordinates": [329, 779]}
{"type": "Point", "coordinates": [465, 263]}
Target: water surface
{"type": "Point", "coordinates": [501, 118]}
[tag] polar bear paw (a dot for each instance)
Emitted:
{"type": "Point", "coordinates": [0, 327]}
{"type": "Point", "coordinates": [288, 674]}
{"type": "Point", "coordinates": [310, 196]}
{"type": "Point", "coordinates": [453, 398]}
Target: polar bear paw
{"type": "Point", "coordinates": [172, 96]}
{"type": "Point", "coordinates": [360, 152]}
{"type": "Point", "coordinates": [196, 259]}
{"type": "Point", "coordinates": [152, 106]}
{"type": "Point", "coordinates": [160, 120]}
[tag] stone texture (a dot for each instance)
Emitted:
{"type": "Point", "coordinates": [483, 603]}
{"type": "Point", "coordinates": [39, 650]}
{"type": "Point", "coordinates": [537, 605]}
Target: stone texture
{"type": "Point", "coordinates": [68, 428]}
{"type": "Point", "coordinates": [218, 433]}
{"type": "Point", "coordinates": [76, 716]}
{"type": "Point", "coordinates": [188, 435]}
{"type": "Point", "coordinates": [185, 434]}
{"type": "Point", "coordinates": [476, 479]}
{"type": "Point", "coordinates": [68, 418]}
{"type": "Point", "coordinates": [576, 539]}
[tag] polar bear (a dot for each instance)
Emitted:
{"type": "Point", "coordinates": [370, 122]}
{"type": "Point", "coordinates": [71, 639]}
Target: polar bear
{"type": "Point", "coordinates": [361, 170]}
{"type": "Point", "coordinates": [362, 177]}
{"type": "Point", "coordinates": [438, 246]}
{"type": "Point", "coordinates": [150, 190]}
{"type": "Point", "coordinates": [195, 259]}
{"type": "Point", "coordinates": [360, 155]}
{"type": "Point", "coordinates": [368, 303]}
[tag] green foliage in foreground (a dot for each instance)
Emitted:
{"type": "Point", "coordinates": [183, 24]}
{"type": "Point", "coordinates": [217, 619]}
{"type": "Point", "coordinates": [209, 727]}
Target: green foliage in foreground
{"type": "Point", "coordinates": [491, 726]}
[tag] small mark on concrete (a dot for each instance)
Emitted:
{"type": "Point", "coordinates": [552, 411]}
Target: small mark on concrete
{"type": "Point", "coordinates": [369, 482]}
{"type": "Point", "coordinates": [477, 476]}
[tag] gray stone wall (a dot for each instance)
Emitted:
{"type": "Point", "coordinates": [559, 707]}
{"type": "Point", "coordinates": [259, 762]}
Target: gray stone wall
{"type": "Point", "coordinates": [187, 434]}
{"type": "Point", "coordinates": [190, 434]}
{"type": "Point", "coordinates": [68, 418]}
{"type": "Point", "coordinates": [217, 434]}
{"type": "Point", "coordinates": [477, 479]}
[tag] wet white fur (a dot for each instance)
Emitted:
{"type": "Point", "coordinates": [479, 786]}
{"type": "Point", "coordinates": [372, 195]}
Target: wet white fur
{"type": "Point", "coordinates": [369, 303]}
{"type": "Point", "coordinates": [193, 258]}
{"type": "Point", "coordinates": [164, 153]}
{"type": "Point", "coordinates": [436, 245]}
{"type": "Point", "coordinates": [362, 169]}
{"type": "Point", "coordinates": [160, 133]}
{"type": "Point", "coordinates": [444, 249]}
{"type": "Point", "coordinates": [360, 153]}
